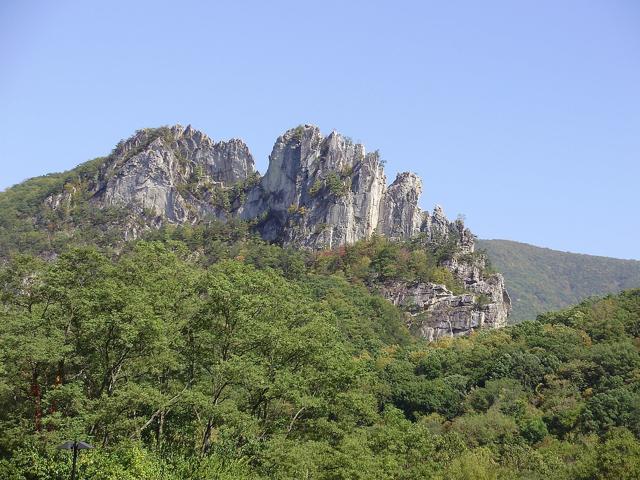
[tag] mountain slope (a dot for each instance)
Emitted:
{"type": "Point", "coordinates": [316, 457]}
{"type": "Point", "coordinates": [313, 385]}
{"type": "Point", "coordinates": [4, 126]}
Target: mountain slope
{"type": "Point", "coordinates": [541, 279]}
{"type": "Point", "coordinates": [319, 192]}
{"type": "Point", "coordinates": [175, 369]}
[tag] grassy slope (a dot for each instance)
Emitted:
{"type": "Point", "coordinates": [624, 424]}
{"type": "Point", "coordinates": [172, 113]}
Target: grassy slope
{"type": "Point", "coordinates": [541, 279]}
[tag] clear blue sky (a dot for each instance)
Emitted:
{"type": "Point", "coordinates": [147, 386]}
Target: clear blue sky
{"type": "Point", "coordinates": [522, 115]}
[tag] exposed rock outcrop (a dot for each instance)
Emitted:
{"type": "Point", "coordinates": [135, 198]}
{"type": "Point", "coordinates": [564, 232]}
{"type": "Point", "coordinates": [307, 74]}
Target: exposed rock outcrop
{"type": "Point", "coordinates": [318, 192]}
{"type": "Point", "coordinates": [322, 192]}
{"type": "Point", "coordinates": [434, 311]}
{"type": "Point", "coordinates": [173, 173]}
{"type": "Point", "coordinates": [167, 175]}
{"type": "Point", "coordinates": [400, 216]}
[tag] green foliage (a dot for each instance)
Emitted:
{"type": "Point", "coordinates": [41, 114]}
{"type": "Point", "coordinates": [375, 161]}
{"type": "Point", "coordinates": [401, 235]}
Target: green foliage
{"type": "Point", "coordinates": [298, 132]}
{"type": "Point", "coordinates": [219, 197]}
{"type": "Point", "coordinates": [337, 185]}
{"type": "Point", "coordinates": [25, 225]}
{"type": "Point", "coordinates": [379, 260]}
{"type": "Point", "coordinates": [239, 190]}
{"type": "Point", "coordinates": [29, 223]}
{"type": "Point", "coordinates": [540, 279]}
{"type": "Point", "coordinates": [316, 187]}
{"type": "Point", "coordinates": [445, 277]}
{"type": "Point", "coordinates": [205, 352]}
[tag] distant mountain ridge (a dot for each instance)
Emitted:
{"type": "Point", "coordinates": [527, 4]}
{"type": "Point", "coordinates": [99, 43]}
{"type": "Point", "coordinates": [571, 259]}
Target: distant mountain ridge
{"type": "Point", "coordinates": [541, 279]}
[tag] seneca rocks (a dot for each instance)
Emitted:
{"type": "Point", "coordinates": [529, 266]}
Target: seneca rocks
{"type": "Point", "coordinates": [318, 192]}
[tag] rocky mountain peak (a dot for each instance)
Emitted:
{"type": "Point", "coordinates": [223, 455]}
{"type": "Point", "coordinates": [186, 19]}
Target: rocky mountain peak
{"type": "Point", "coordinates": [318, 192]}
{"type": "Point", "coordinates": [168, 175]}
{"type": "Point", "coordinates": [400, 216]}
{"type": "Point", "coordinates": [324, 191]}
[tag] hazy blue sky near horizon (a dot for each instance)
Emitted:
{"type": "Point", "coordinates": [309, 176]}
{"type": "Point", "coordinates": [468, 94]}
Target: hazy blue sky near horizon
{"type": "Point", "coordinates": [523, 116]}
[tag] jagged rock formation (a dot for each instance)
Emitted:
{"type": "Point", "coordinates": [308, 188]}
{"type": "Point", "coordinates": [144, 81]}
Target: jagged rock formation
{"type": "Point", "coordinates": [318, 192]}
{"type": "Point", "coordinates": [165, 175]}
{"type": "Point", "coordinates": [322, 192]}
{"type": "Point", "coordinates": [400, 216]}
{"type": "Point", "coordinates": [433, 310]}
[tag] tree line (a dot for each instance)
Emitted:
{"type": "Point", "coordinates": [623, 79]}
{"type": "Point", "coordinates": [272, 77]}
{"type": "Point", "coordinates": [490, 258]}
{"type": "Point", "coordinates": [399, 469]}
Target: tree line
{"type": "Point", "coordinates": [180, 363]}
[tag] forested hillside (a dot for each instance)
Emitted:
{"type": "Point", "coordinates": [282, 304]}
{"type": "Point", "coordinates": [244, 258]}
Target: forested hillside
{"type": "Point", "coordinates": [320, 193]}
{"type": "Point", "coordinates": [541, 279]}
{"type": "Point", "coordinates": [208, 353]}
{"type": "Point", "coordinates": [185, 341]}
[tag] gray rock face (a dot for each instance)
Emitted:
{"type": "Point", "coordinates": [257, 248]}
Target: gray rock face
{"type": "Point", "coordinates": [225, 162]}
{"type": "Point", "coordinates": [400, 216]}
{"type": "Point", "coordinates": [318, 192]}
{"type": "Point", "coordinates": [434, 312]}
{"type": "Point", "coordinates": [167, 175]}
{"type": "Point", "coordinates": [172, 174]}
{"type": "Point", "coordinates": [148, 180]}
{"type": "Point", "coordinates": [322, 192]}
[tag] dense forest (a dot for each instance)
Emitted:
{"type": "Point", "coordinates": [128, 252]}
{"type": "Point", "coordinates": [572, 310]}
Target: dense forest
{"type": "Point", "coordinates": [541, 279]}
{"type": "Point", "coordinates": [205, 353]}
